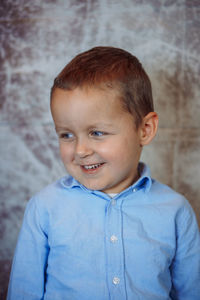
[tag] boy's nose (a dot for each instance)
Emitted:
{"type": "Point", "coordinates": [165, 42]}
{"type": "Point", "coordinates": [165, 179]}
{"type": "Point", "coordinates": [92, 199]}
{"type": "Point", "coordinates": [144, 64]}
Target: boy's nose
{"type": "Point", "coordinates": [83, 148]}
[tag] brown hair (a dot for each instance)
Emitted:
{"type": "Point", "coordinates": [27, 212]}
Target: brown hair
{"type": "Point", "coordinates": [112, 68]}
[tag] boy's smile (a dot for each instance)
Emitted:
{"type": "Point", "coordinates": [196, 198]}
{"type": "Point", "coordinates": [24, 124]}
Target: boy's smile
{"type": "Point", "coordinates": [99, 144]}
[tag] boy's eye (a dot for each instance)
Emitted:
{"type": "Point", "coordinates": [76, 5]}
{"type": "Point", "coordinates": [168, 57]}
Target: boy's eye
{"type": "Point", "coordinates": [67, 135]}
{"type": "Point", "coordinates": [97, 133]}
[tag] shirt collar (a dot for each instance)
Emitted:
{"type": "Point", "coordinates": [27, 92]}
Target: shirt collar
{"type": "Point", "coordinates": [144, 181]}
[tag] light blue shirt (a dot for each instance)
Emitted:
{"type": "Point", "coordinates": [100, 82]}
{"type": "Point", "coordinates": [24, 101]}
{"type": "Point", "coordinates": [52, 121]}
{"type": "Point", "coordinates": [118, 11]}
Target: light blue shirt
{"type": "Point", "coordinates": [79, 244]}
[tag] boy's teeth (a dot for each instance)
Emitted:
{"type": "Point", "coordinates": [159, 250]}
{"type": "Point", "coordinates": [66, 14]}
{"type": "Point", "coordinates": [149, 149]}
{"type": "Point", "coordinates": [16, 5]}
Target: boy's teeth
{"type": "Point", "coordinates": [92, 167]}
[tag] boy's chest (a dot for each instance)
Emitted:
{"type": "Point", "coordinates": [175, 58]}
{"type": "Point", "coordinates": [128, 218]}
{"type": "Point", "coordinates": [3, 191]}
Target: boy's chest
{"type": "Point", "coordinates": [117, 249]}
{"type": "Point", "coordinates": [115, 233]}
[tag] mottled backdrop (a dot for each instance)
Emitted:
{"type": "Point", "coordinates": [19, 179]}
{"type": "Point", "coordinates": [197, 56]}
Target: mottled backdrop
{"type": "Point", "coordinates": [39, 37]}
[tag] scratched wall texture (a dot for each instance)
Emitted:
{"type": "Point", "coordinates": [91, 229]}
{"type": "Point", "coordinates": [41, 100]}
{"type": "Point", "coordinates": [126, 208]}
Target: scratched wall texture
{"type": "Point", "coordinates": [37, 38]}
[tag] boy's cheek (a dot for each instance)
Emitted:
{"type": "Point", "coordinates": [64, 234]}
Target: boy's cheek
{"type": "Point", "coordinates": [65, 152]}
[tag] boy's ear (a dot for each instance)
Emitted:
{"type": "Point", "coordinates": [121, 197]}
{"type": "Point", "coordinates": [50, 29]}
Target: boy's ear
{"type": "Point", "coordinates": [148, 128]}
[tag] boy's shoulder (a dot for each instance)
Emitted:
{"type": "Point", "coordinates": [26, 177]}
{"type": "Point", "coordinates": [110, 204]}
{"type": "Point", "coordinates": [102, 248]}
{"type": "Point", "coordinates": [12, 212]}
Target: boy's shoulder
{"type": "Point", "coordinates": [171, 205]}
{"type": "Point", "coordinates": [160, 187]}
{"type": "Point", "coordinates": [64, 183]}
{"type": "Point", "coordinates": [156, 189]}
{"type": "Point", "coordinates": [163, 195]}
{"type": "Point", "coordinates": [160, 194]}
{"type": "Point", "coordinates": [57, 191]}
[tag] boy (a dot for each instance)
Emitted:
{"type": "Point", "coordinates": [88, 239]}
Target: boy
{"type": "Point", "coordinates": [108, 230]}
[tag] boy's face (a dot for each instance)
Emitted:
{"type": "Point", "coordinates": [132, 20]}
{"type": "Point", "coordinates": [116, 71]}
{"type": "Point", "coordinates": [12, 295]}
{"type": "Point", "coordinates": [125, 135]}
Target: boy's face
{"type": "Point", "coordinates": [99, 144]}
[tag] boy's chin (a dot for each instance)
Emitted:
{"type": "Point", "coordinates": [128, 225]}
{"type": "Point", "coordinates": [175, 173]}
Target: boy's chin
{"type": "Point", "coordinates": [95, 186]}
{"type": "Point", "coordinates": [101, 188]}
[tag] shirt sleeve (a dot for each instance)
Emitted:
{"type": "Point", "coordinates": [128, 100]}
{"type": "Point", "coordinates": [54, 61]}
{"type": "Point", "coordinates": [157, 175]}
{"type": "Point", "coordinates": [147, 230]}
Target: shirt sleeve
{"type": "Point", "coordinates": [27, 278]}
{"type": "Point", "coordinates": [185, 269]}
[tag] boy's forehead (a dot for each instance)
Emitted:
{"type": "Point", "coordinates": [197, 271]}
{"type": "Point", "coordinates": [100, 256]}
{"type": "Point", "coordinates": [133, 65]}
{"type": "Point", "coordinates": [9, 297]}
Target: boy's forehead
{"type": "Point", "coordinates": [80, 93]}
{"type": "Point", "coordinates": [94, 103]}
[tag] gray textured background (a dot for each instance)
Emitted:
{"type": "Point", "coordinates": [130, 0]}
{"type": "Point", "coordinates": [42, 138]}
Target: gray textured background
{"type": "Point", "coordinates": [39, 37]}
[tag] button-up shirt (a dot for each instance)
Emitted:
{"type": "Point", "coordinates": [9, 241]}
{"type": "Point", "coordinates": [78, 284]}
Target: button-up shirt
{"type": "Point", "coordinates": [79, 244]}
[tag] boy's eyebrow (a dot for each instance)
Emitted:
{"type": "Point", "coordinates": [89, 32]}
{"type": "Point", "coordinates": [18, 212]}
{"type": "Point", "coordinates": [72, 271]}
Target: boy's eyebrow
{"type": "Point", "coordinates": [101, 124]}
{"type": "Point", "coordinates": [95, 125]}
{"type": "Point", "coordinates": [57, 128]}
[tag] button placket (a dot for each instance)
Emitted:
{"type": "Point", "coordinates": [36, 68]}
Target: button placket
{"type": "Point", "coordinates": [114, 250]}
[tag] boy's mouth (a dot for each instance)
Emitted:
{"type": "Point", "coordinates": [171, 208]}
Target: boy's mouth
{"type": "Point", "coordinates": [91, 167]}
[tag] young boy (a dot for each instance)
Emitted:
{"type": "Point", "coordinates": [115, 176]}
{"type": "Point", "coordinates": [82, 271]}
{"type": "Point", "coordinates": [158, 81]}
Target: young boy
{"type": "Point", "coordinates": [108, 230]}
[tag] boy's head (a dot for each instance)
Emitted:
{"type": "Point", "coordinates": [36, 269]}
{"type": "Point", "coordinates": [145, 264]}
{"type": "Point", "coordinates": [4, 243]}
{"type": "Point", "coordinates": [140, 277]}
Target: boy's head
{"type": "Point", "coordinates": [102, 108]}
{"type": "Point", "coordinates": [114, 69]}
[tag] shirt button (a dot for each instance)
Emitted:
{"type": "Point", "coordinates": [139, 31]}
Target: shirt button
{"type": "Point", "coordinates": [113, 239]}
{"type": "Point", "coordinates": [134, 190]}
{"type": "Point", "coordinates": [116, 280]}
{"type": "Point", "coordinates": [113, 202]}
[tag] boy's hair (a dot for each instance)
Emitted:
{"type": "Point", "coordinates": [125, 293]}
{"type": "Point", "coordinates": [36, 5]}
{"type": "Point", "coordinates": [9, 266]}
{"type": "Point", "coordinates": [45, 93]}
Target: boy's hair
{"type": "Point", "coordinates": [112, 68]}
